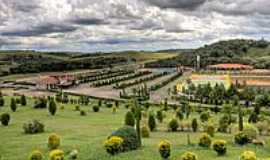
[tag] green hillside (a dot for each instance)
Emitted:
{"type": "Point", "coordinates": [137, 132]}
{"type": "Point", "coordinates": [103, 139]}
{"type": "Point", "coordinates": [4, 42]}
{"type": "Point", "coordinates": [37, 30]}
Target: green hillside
{"type": "Point", "coordinates": [250, 52]}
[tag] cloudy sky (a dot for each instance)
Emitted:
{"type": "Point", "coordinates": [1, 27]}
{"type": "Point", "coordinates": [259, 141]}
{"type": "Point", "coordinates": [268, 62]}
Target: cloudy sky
{"type": "Point", "coordinates": [113, 25]}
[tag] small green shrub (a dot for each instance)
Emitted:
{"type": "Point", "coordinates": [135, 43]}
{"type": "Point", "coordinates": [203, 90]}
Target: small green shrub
{"type": "Point", "coordinates": [5, 118]}
{"type": "Point", "coordinates": [52, 107]}
{"type": "Point", "coordinates": [2, 101]}
{"type": "Point", "coordinates": [204, 116]}
{"type": "Point", "coordinates": [130, 137]}
{"type": "Point", "coordinates": [77, 108]}
{"type": "Point", "coordinates": [129, 119]}
{"type": "Point", "coordinates": [248, 155]}
{"type": "Point", "coordinates": [53, 141]}
{"type": "Point", "coordinates": [36, 155]}
{"type": "Point", "coordinates": [23, 100]}
{"type": "Point", "coordinates": [180, 115]}
{"type": "Point", "coordinates": [82, 113]}
{"type": "Point", "coordinates": [40, 103]}
{"type": "Point", "coordinates": [189, 156]}
{"type": "Point", "coordinates": [152, 122]}
{"type": "Point", "coordinates": [173, 125]}
{"type": "Point", "coordinates": [164, 149]}
{"type": "Point", "coordinates": [241, 138]}
{"type": "Point", "coordinates": [33, 127]}
{"type": "Point", "coordinates": [95, 108]}
{"type": "Point", "coordinates": [160, 116]}
{"type": "Point", "coordinates": [109, 105]}
{"type": "Point", "coordinates": [13, 105]}
{"type": "Point", "coordinates": [145, 132]}
{"type": "Point", "coordinates": [220, 147]}
{"type": "Point", "coordinates": [194, 125]}
{"type": "Point", "coordinates": [205, 140]}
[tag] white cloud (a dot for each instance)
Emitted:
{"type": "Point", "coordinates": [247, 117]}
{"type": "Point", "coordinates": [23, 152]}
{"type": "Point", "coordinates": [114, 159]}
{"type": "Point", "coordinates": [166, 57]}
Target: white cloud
{"type": "Point", "coordinates": [105, 25]}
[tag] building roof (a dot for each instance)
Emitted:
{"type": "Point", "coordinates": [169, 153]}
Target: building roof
{"type": "Point", "coordinates": [48, 80]}
{"type": "Point", "coordinates": [230, 66]}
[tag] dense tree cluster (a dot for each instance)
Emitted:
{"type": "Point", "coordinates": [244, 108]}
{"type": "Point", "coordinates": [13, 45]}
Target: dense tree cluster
{"type": "Point", "coordinates": [42, 65]}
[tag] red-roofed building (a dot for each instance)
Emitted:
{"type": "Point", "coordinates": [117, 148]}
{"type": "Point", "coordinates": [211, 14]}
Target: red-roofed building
{"type": "Point", "coordinates": [55, 81]}
{"type": "Point", "coordinates": [229, 66]}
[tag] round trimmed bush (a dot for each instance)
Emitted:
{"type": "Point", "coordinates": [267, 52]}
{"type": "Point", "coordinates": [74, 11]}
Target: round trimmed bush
{"type": "Point", "coordinates": [5, 118]}
{"type": "Point", "coordinates": [220, 147]}
{"type": "Point", "coordinates": [152, 122]}
{"type": "Point", "coordinates": [33, 127]}
{"type": "Point", "coordinates": [248, 155]}
{"type": "Point", "coordinates": [77, 108]}
{"type": "Point", "coordinates": [205, 140]}
{"type": "Point", "coordinates": [114, 145]}
{"type": "Point", "coordinates": [82, 113]}
{"type": "Point", "coordinates": [36, 155]}
{"type": "Point", "coordinates": [129, 119]}
{"type": "Point", "coordinates": [130, 137]}
{"type": "Point", "coordinates": [56, 154]}
{"type": "Point", "coordinates": [145, 132]}
{"type": "Point", "coordinates": [189, 156]}
{"type": "Point", "coordinates": [173, 125]}
{"type": "Point", "coordinates": [96, 108]}
{"type": "Point", "coordinates": [164, 149]}
{"type": "Point", "coordinates": [204, 116]}
{"type": "Point", "coordinates": [241, 138]}
{"type": "Point", "coordinates": [53, 141]}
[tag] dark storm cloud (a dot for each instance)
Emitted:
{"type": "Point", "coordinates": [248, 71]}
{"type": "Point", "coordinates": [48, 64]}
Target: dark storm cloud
{"type": "Point", "coordinates": [180, 4]}
{"type": "Point", "coordinates": [40, 30]}
{"type": "Point", "coordinates": [89, 21]}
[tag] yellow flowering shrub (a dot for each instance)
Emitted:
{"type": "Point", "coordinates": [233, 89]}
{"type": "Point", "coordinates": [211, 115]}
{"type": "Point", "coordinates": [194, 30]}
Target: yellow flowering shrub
{"type": "Point", "coordinates": [205, 140]}
{"type": "Point", "coordinates": [56, 154]}
{"type": "Point", "coordinates": [113, 145]}
{"type": "Point", "coordinates": [53, 141]}
{"type": "Point", "coordinates": [248, 155]}
{"type": "Point", "coordinates": [220, 147]}
{"type": "Point", "coordinates": [36, 155]}
{"type": "Point", "coordinates": [164, 148]}
{"type": "Point", "coordinates": [189, 156]}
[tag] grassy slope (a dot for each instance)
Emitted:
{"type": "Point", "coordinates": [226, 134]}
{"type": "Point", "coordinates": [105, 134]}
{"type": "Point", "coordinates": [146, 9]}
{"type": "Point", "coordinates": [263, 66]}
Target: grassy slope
{"type": "Point", "coordinates": [259, 53]}
{"type": "Point", "coordinates": [88, 133]}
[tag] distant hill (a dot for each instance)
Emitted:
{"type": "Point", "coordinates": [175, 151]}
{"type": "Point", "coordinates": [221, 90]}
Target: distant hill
{"type": "Point", "coordinates": [13, 62]}
{"type": "Point", "coordinates": [251, 52]}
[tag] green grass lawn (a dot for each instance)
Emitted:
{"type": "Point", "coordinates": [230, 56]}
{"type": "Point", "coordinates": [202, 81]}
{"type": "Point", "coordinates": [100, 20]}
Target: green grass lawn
{"type": "Point", "coordinates": [87, 134]}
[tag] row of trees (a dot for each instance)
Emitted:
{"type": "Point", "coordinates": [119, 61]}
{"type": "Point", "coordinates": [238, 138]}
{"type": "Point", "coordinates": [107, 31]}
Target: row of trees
{"type": "Point", "coordinates": [141, 80]}
{"type": "Point", "coordinates": [119, 79]}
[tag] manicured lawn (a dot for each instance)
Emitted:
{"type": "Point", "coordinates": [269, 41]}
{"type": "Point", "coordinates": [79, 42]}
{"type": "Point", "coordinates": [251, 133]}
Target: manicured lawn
{"type": "Point", "coordinates": [87, 133]}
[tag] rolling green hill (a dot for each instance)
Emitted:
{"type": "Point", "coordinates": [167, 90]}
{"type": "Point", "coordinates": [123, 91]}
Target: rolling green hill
{"type": "Point", "coordinates": [251, 52]}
